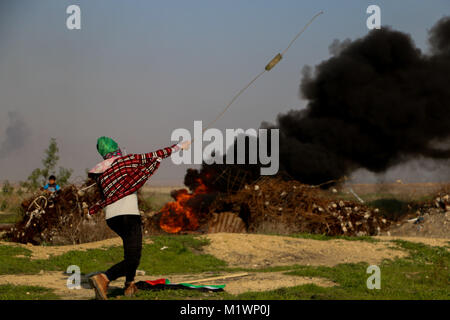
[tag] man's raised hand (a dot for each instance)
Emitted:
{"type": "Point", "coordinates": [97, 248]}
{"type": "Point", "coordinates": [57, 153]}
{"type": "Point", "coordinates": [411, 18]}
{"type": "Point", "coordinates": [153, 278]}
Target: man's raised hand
{"type": "Point", "coordinates": [185, 145]}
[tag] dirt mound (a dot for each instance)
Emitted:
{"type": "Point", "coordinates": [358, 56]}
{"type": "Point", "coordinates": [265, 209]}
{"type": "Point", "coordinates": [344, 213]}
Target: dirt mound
{"type": "Point", "coordinates": [257, 251]}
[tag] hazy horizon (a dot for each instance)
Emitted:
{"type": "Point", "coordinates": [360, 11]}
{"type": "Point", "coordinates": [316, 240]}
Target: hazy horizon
{"type": "Point", "coordinates": [137, 70]}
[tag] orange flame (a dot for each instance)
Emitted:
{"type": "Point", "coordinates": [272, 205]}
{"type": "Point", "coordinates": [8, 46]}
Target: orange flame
{"type": "Point", "coordinates": [177, 215]}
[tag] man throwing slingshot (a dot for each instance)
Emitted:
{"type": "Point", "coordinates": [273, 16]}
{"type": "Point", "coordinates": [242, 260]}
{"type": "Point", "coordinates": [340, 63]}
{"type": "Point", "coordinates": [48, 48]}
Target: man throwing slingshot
{"type": "Point", "coordinates": [119, 177]}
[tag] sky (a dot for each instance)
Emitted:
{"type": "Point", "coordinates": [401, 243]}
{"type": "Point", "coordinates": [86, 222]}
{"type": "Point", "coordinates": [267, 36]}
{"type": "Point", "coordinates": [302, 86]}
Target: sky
{"type": "Point", "coordinates": [139, 69]}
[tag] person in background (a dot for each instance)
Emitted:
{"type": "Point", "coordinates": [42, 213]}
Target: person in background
{"type": "Point", "coordinates": [119, 177]}
{"type": "Point", "coordinates": [52, 186]}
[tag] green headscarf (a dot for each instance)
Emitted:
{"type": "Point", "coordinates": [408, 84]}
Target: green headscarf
{"type": "Point", "coordinates": [106, 145]}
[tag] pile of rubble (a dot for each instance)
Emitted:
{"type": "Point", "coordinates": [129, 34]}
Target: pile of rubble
{"type": "Point", "coordinates": [269, 205]}
{"type": "Point", "coordinates": [60, 218]}
{"type": "Point", "coordinates": [442, 202]}
{"type": "Point", "coordinates": [439, 204]}
{"type": "Point", "coordinates": [431, 219]}
{"type": "Point", "coordinates": [275, 205]}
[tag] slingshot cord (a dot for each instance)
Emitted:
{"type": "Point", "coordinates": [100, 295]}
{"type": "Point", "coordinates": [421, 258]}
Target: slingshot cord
{"type": "Point", "coordinates": [268, 67]}
{"type": "Point", "coordinates": [301, 31]}
{"type": "Point", "coordinates": [232, 100]}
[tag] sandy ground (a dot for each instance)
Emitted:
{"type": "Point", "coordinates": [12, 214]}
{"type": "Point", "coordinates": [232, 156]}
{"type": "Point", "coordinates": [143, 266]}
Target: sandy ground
{"type": "Point", "coordinates": [251, 282]}
{"type": "Point", "coordinates": [44, 252]}
{"type": "Point", "coordinates": [238, 250]}
{"type": "Point", "coordinates": [434, 225]}
{"type": "Point", "coordinates": [257, 250]}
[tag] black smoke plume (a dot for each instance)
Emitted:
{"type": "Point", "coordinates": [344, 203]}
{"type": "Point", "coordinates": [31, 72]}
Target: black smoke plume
{"type": "Point", "coordinates": [377, 102]}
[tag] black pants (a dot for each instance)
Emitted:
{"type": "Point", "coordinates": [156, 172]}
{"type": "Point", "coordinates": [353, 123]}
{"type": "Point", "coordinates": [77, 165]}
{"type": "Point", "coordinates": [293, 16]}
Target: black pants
{"type": "Point", "coordinates": [129, 228]}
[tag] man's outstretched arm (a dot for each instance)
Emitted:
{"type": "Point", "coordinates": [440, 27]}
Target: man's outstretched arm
{"type": "Point", "coordinates": [163, 153]}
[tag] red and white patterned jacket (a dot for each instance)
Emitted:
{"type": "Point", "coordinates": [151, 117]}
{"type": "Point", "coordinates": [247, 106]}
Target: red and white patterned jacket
{"type": "Point", "coordinates": [126, 174]}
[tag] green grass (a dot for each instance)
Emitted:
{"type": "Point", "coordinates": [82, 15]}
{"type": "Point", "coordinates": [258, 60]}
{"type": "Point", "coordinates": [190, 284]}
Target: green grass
{"type": "Point", "coordinates": [183, 255]}
{"type": "Point", "coordinates": [10, 292]}
{"type": "Point", "coordinates": [391, 208]}
{"type": "Point", "coordinates": [424, 274]}
{"type": "Point", "coordinates": [172, 295]}
{"type": "Point", "coordinates": [8, 217]}
{"type": "Point", "coordinates": [324, 237]}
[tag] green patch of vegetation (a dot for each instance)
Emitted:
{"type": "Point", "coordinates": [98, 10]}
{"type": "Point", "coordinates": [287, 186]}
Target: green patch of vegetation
{"type": "Point", "coordinates": [3, 205]}
{"type": "Point", "coordinates": [424, 274]}
{"type": "Point", "coordinates": [10, 251]}
{"type": "Point", "coordinates": [324, 237]}
{"type": "Point", "coordinates": [170, 294]}
{"type": "Point", "coordinates": [391, 208]}
{"type": "Point", "coordinates": [304, 292]}
{"type": "Point", "coordinates": [39, 176]}
{"type": "Point", "coordinates": [89, 261]}
{"type": "Point", "coordinates": [12, 292]}
{"type": "Point", "coordinates": [16, 260]}
{"type": "Point", "coordinates": [181, 254]}
{"type": "Point", "coordinates": [8, 217]}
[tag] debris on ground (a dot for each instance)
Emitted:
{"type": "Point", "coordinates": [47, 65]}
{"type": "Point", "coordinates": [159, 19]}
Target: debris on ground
{"type": "Point", "coordinates": [268, 205]}
{"type": "Point", "coordinates": [275, 205]}
{"type": "Point", "coordinates": [431, 219]}
{"type": "Point", "coordinates": [60, 218]}
{"type": "Point", "coordinates": [226, 222]}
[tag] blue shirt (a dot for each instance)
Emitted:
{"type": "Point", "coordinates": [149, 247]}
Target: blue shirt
{"type": "Point", "coordinates": [52, 187]}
